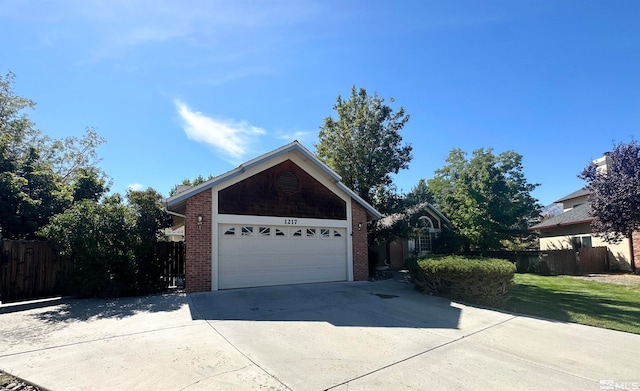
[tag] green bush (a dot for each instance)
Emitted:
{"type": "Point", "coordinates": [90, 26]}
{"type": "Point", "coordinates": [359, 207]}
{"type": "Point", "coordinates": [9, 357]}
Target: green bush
{"type": "Point", "coordinates": [484, 281]}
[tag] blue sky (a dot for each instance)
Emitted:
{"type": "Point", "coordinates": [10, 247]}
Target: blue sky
{"type": "Point", "coordinates": [182, 88]}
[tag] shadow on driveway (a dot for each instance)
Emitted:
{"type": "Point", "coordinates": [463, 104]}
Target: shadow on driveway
{"type": "Point", "coordinates": [387, 303]}
{"type": "Point", "coordinates": [67, 309]}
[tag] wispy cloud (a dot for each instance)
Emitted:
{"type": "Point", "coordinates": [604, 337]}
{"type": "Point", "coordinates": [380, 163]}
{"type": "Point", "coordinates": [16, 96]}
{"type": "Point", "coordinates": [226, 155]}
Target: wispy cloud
{"type": "Point", "coordinates": [136, 187]}
{"type": "Point", "coordinates": [230, 138]}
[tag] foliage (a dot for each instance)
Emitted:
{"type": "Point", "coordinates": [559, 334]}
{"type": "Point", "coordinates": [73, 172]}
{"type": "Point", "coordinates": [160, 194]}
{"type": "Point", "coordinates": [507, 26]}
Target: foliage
{"type": "Point", "coordinates": [486, 198]}
{"type": "Point", "coordinates": [150, 219]}
{"type": "Point", "coordinates": [419, 194]}
{"type": "Point", "coordinates": [113, 245]}
{"type": "Point", "coordinates": [483, 281]}
{"type": "Point", "coordinates": [569, 299]}
{"type": "Point", "coordinates": [187, 182]}
{"type": "Point", "coordinates": [88, 184]}
{"type": "Point", "coordinates": [71, 155]}
{"type": "Point", "coordinates": [40, 177]}
{"type": "Point", "coordinates": [615, 194]}
{"type": "Point", "coordinates": [363, 145]}
{"type": "Point", "coordinates": [97, 237]}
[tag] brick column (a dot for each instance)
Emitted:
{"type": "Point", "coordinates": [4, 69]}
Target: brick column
{"type": "Point", "coordinates": [360, 242]}
{"type": "Point", "coordinates": [197, 239]}
{"type": "Point", "coordinates": [635, 248]}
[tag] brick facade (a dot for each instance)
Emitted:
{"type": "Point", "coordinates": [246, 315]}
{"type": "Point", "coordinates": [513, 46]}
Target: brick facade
{"type": "Point", "coordinates": [360, 244]}
{"type": "Point", "coordinates": [636, 251]}
{"type": "Point", "coordinates": [198, 243]}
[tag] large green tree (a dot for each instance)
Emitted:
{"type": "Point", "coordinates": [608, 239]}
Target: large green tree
{"type": "Point", "coordinates": [363, 144]}
{"type": "Point", "coordinates": [486, 197]}
{"type": "Point", "coordinates": [39, 176]}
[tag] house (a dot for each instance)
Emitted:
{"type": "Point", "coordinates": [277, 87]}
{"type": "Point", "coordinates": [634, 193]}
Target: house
{"type": "Point", "coordinates": [572, 229]}
{"type": "Point", "coordinates": [281, 218]}
{"type": "Point", "coordinates": [425, 223]}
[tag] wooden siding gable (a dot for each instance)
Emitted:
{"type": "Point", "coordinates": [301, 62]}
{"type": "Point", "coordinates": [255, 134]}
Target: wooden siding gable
{"type": "Point", "coordinates": [282, 190]}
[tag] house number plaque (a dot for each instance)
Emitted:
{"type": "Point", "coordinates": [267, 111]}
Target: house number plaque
{"type": "Point", "coordinates": [291, 221]}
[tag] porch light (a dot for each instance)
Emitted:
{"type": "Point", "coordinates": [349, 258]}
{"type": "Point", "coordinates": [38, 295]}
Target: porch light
{"type": "Point", "coordinates": [359, 226]}
{"type": "Point", "coordinates": [200, 219]}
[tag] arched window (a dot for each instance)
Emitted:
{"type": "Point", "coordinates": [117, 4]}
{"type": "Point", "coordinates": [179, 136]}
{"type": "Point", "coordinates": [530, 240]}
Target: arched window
{"type": "Point", "coordinates": [425, 222]}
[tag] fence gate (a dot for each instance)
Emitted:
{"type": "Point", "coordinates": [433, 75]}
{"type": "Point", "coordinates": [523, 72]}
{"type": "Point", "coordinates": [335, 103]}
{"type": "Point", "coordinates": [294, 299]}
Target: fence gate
{"type": "Point", "coordinates": [571, 262]}
{"type": "Point", "coordinates": [31, 269]}
{"type": "Point", "coordinates": [172, 256]}
{"type": "Point", "coordinates": [593, 260]}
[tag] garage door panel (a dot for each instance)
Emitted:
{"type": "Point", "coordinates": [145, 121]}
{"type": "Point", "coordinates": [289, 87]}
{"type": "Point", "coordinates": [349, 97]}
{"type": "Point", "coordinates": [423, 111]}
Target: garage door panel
{"type": "Point", "coordinates": [253, 260]}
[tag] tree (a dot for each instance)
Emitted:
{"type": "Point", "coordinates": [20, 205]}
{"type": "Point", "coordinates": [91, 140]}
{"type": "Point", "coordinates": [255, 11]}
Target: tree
{"type": "Point", "coordinates": [97, 237]}
{"type": "Point", "coordinates": [363, 145]}
{"type": "Point", "coordinates": [39, 176]}
{"type": "Point", "coordinates": [615, 193]}
{"type": "Point", "coordinates": [113, 245]}
{"type": "Point", "coordinates": [69, 156]}
{"type": "Point", "coordinates": [187, 182]}
{"type": "Point", "coordinates": [419, 194]}
{"type": "Point", "coordinates": [486, 198]}
{"type": "Point", "coordinates": [150, 220]}
{"type": "Point", "coordinates": [88, 184]}
{"type": "Point", "coordinates": [17, 131]}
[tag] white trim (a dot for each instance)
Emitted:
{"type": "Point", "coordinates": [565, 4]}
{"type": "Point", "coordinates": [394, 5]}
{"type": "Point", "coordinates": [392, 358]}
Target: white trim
{"type": "Point", "coordinates": [214, 240]}
{"type": "Point", "coordinates": [257, 164]}
{"type": "Point", "coordinates": [349, 241]}
{"type": "Point", "coordinates": [268, 220]}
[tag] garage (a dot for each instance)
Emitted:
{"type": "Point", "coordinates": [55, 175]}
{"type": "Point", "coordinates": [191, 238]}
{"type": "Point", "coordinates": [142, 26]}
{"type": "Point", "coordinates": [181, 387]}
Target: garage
{"type": "Point", "coordinates": [255, 255]}
{"type": "Point", "coordinates": [282, 218]}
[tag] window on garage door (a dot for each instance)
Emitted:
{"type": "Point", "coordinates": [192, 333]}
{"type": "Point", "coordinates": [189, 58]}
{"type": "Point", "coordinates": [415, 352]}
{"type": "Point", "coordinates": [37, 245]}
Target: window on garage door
{"type": "Point", "coordinates": [250, 231]}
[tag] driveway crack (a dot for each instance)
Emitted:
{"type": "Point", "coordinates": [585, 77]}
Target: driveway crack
{"type": "Point", "coordinates": [419, 354]}
{"type": "Point", "coordinates": [235, 347]}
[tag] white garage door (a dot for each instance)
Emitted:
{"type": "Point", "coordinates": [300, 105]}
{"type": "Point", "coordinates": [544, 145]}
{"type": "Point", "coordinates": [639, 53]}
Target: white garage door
{"type": "Point", "coordinates": [253, 255]}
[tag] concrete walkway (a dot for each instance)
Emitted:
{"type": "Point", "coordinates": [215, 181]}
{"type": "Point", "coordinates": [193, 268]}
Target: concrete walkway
{"type": "Point", "coordinates": [339, 336]}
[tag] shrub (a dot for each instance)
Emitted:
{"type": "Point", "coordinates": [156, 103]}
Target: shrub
{"type": "Point", "coordinates": [483, 281]}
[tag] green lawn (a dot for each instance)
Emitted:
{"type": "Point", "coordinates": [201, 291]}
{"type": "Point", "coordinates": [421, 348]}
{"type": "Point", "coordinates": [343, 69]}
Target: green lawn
{"type": "Point", "coordinates": [569, 299]}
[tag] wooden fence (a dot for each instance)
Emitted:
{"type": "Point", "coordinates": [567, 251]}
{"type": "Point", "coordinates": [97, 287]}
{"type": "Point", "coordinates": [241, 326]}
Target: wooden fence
{"type": "Point", "coordinates": [31, 269]}
{"type": "Point", "coordinates": [526, 261]}
{"type": "Point", "coordinates": [585, 260]}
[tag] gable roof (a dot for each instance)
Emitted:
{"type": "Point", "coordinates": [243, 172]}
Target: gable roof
{"type": "Point", "coordinates": [579, 193]}
{"type": "Point", "coordinates": [179, 198]}
{"type": "Point", "coordinates": [577, 215]}
{"type": "Point", "coordinates": [389, 220]}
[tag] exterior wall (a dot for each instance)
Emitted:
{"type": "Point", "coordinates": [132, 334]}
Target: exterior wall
{"type": "Point", "coordinates": [360, 244]}
{"type": "Point", "coordinates": [560, 238]}
{"type": "Point", "coordinates": [198, 243]}
{"type": "Point", "coordinates": [267, 193]}
{"type": "Point", "coordinates": [636, 248]}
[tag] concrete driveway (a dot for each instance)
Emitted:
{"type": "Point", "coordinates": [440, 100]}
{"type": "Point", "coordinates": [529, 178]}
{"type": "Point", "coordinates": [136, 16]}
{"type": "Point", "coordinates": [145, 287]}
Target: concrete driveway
{"type": "Point", "coordinates": [339, 336]}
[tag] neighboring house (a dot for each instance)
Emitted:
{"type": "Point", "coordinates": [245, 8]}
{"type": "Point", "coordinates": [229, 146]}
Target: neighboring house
{"type": "Point", "coordinates": [426, 222]}
{"type": "Point", "coordinates": [174, 234]}
{"type": "Point", "coordinates": [572, 229]}
{"type": "Point", "coordinates": [282, 218]}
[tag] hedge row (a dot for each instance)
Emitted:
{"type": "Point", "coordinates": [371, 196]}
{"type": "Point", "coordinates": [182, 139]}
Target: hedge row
{"type": "Point", "coordinates": [484, 281]}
